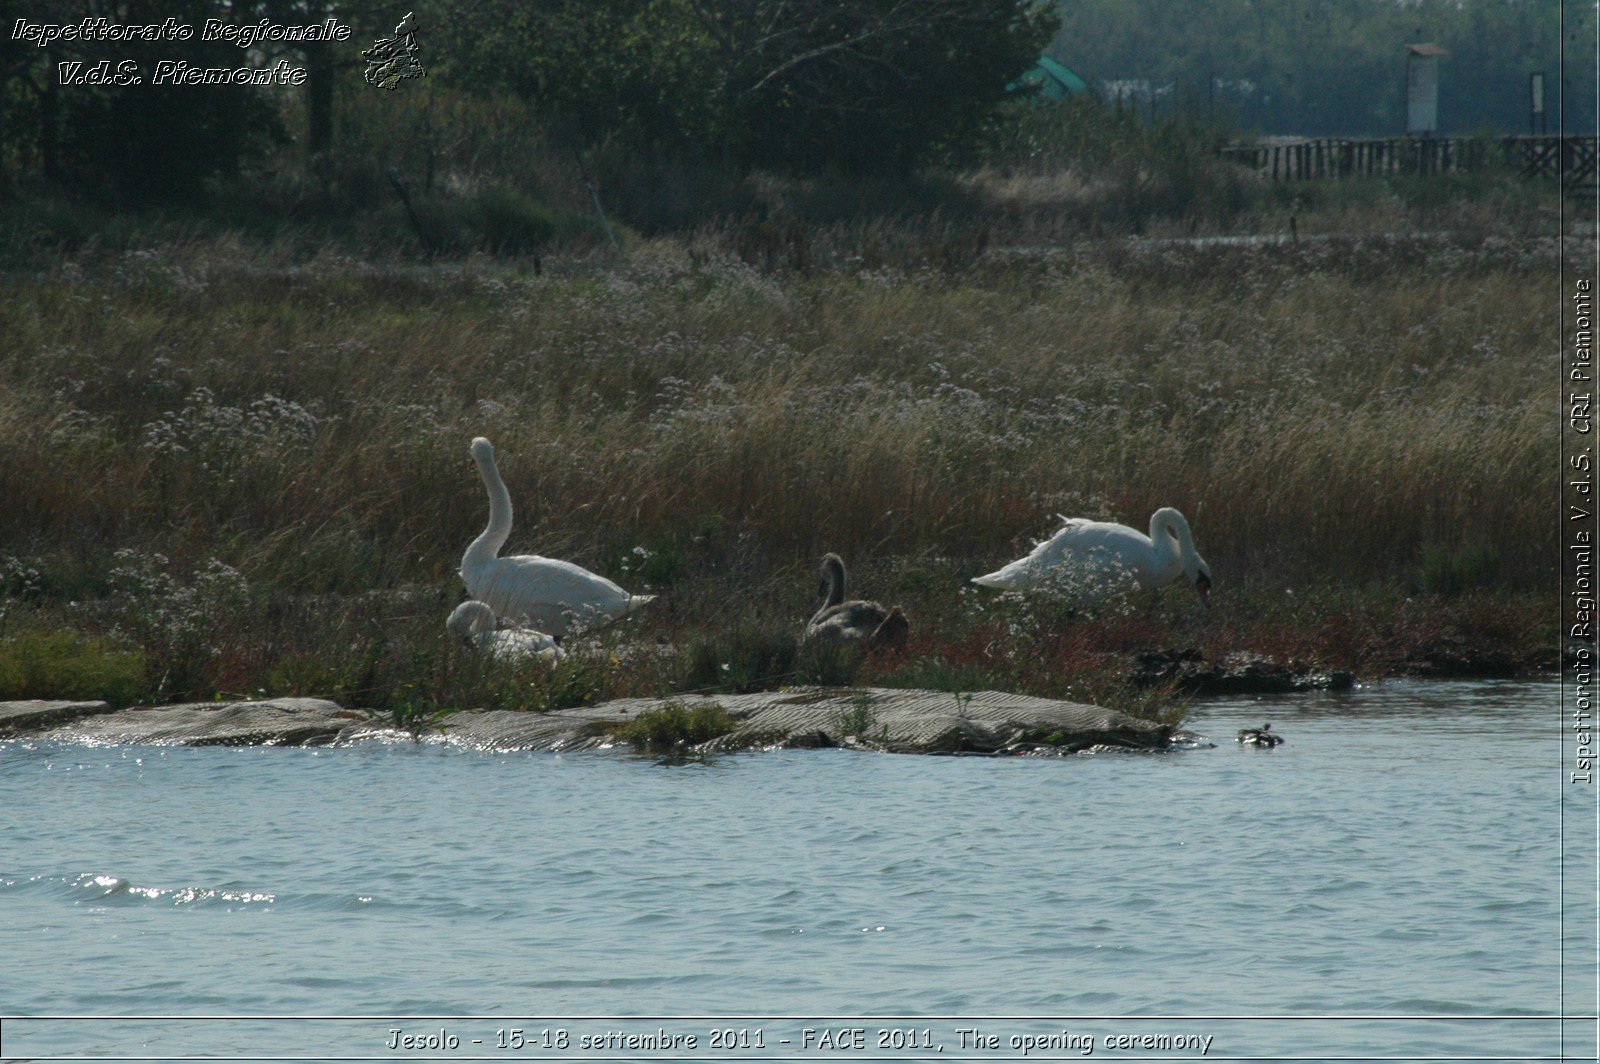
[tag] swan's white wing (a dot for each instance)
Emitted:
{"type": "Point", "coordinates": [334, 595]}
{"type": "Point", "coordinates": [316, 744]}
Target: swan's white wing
{"type": "Point", "coordinates": [1091, 558]}
{"type": "Point", "coordinates": [526, 639]}
{"type": "Point", "coordinates": [522, 644]}
{"type": "Point", "coordinates": [548, 593]}
{"type": "Point", "coordinates": [1034, 567]}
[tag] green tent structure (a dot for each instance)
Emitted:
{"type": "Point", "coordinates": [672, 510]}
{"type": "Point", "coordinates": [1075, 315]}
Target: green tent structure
{"type": "Point", "coordinates": [1050, 80]}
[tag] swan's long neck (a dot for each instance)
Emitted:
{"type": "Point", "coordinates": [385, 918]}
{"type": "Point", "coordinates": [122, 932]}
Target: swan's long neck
{"type": "Point", "coordinates": [833, 573]}
{"type": "Point", "coordinates": [494, 536]}
{"type": "Point", "coordinates": [1165, 524]}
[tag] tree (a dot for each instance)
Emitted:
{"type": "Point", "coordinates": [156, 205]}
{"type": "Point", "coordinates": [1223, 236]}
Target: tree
{"type": "Point", "coordinates": [867, 84]}
{"type": "Point", "coordinates": [858, 85]}
{"type": "Point", "coordinates": [129, 143]}
{"type": "Point", "coordinates": [323, 60]}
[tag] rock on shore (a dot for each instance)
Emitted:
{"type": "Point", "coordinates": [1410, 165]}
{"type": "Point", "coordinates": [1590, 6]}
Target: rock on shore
{"type": "Point", "coordinates": [21, 718]}
{"type": "Point", "coordinates": [892, 720]}
{"type": "Point", "coordinates": [274, 722]}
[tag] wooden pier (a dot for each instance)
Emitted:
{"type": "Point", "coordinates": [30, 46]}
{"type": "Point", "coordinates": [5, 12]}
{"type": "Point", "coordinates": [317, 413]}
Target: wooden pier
{"type": "Point", "coordinates": [1568, 158]}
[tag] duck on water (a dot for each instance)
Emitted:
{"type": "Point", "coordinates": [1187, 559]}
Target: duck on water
{"type": "Point", "coordinates": [1261, 736]}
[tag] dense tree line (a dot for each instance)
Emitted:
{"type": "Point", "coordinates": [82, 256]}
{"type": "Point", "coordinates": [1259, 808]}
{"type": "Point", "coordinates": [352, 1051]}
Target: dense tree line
{"type": "Point", "coordinates": [796, 85]}
{"type": "Point", "coordinates": [854, 85]}
{"type": "Point", "coordinates": [875, 87]}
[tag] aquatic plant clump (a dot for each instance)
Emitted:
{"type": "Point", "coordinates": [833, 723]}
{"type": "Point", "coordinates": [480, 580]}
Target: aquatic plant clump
{"type": "Point", "coordinates": [676, 726]}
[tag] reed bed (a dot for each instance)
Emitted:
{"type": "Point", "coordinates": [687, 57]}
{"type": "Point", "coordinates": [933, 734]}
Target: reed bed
{"type": "Point", "coordinates": [252, 471]}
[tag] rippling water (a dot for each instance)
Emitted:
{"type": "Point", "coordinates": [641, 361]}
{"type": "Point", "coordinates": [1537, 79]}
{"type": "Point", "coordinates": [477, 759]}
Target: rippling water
{"type": "Point", "coordinates": [1401, 855]}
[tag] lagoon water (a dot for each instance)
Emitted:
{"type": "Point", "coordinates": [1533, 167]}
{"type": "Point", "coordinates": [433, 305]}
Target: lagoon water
{"type": "Point", "coordinates": [1385, 884]}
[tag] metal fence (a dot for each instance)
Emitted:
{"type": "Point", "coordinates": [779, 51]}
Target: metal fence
{"type": "Point", "coordinates": [1569, 158]}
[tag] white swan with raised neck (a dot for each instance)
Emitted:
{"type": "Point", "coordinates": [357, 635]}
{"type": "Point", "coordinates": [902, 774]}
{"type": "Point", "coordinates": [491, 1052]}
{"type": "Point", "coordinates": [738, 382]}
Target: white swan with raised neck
{"type": "Point", "coordinates": [548, 594]}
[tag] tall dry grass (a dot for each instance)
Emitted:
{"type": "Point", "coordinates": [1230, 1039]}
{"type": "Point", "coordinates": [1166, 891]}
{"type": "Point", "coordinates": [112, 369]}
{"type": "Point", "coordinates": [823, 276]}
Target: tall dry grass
{"type": "Point", "coordinates": [1325, 414]}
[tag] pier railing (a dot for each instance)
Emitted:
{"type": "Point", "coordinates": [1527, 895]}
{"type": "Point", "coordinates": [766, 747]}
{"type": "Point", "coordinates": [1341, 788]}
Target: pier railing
{"type": "Point", "coordinates": [1570, 158]}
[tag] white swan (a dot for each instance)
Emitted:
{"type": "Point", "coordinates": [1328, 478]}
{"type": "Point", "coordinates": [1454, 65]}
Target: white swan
{"type": "Point", "coordinates": [473, 623]}
{"type": "Point", "coordinates": [552, 595]}
{"type": "Point", "coordinates": [858, 621]}
{"type": "Point", "coordinates": [1093, 559]}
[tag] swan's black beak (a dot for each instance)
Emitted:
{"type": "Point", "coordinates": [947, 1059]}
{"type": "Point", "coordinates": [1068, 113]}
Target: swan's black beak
{"type": "Point", "coordinates": [1202, 584]}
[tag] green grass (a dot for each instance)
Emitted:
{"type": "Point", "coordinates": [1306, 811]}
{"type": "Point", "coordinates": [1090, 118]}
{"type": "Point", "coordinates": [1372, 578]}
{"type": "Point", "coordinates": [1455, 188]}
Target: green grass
{"type": "Point", "coordinates": [676, 727]}
{"type": "Point", "coordinates": [748, 657]}
{"type": "Point", "coordinates": [1446, 571]}
{"type": "Point", "coordinates": [859, 718]}
{"type": "Point", "coordinates": [69, 665]}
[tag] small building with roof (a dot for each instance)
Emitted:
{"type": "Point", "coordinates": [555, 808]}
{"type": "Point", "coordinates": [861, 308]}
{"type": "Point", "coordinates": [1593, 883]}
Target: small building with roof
{"type": "Point", "coordinates": [1050, 80]}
